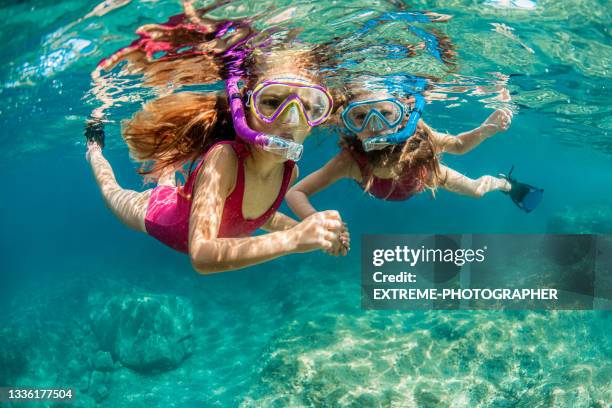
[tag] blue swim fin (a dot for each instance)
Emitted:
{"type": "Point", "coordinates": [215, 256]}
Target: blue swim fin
{"type": "Point", "coordinates": [526, 197]}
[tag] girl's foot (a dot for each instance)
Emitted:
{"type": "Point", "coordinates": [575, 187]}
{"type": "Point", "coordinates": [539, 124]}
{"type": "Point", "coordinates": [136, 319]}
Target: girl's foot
{"type": "Point", "coordinates": [526, 197]}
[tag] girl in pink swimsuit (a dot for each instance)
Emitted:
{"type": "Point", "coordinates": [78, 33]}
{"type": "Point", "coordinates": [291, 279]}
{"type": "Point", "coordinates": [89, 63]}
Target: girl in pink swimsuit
{"type": "Point", "coordinates": [232, 188]}
{"type": "Point", "coordinates": [398, 172]}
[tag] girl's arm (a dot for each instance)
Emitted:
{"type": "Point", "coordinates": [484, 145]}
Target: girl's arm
{"type": "Point", "coordinates": [499, 121]}
{"type": "Point", "coordinates": [279, 222]}
{"type": "Point", "coordinates": [335, 169]}
{"type": "Point", "coordinates": [210, 254]}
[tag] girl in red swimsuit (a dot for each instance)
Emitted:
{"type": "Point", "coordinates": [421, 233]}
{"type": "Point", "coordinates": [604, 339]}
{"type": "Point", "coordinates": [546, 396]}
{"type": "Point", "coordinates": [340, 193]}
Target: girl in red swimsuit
{"type": "Point", "coordinates": [398, 172]}
{"type": "Point", "coordinates": [233, 188]}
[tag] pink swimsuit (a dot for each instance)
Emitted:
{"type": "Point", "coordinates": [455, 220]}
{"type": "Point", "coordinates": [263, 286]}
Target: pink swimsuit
{"type": "Point", "coordinates": [169, 209]}
{"type": "Point", "coordinates": [408, 185]}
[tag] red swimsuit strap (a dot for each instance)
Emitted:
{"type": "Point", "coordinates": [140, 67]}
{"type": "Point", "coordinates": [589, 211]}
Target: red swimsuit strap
{"type": "Point", "coordinates": [239, 148]}
{"type": "Point", "coordinates": [233, 202]}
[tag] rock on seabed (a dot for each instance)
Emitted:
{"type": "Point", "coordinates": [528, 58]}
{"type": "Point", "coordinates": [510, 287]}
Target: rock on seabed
{"type": "Point", "coordinates": [145, 332]}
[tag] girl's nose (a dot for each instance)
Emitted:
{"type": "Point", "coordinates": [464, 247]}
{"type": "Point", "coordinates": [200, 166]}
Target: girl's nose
{"type": "Point", "coordinates": [291, 116]}
{"type": "Point", "coordinates": [375, 124]}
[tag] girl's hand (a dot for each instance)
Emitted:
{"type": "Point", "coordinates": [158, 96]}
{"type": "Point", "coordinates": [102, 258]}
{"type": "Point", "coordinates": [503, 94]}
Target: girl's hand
{"type": "Point", "coordinates": [321, 230]}
{"type": "Point", "coordinates": [499, 121]}
{"type": "Point", "coordinates": [343, 244]}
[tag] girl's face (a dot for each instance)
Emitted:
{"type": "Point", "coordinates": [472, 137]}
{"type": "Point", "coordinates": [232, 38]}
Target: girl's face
{"type": "Point", "coordinates": [285, 117]}
{"type": "Point", "coordinates": [375, 126]}
{"type": "Point", "coordinates": [291, 122]}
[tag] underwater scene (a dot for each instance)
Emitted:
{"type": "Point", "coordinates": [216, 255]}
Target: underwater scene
{"type": "Point", "coordinates": [123, 320]}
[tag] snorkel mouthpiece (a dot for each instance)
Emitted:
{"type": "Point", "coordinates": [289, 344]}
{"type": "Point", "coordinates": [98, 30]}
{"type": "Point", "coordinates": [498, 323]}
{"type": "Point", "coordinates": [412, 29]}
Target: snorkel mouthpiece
{"type": "Point", "coordinates": [375, 143]}
{"type": "Point", "coordinates": [282, 147]}
{"type": "Point", "coordinates": [285, 148]}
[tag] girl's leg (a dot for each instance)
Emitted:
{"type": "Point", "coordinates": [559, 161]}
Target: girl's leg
{"type": "Point", "coordinates": [458, 183]}
{"type": "Point", "coordinates": [128, 205]}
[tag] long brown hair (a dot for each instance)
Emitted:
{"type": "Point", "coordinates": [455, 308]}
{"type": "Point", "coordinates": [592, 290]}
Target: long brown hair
{"type": "Point", "coordinates": [177, 129]}
{"type": "Point", "coordinates": [418, 153]}
{"type": "Point", "coordinates": [174, 130]}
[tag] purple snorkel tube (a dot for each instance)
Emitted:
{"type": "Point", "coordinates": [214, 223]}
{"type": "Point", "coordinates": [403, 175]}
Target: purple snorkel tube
{"type": "Point", "coordinates": [237, 108]}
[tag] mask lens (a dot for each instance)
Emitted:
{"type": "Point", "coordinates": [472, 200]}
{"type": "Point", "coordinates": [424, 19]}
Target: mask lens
{"type": "Point", "coordinates": [316, 103]}
{"type": "Point", "coordinates": [270, 98]}
{"type": "Point", "coordinates": [357, 115]}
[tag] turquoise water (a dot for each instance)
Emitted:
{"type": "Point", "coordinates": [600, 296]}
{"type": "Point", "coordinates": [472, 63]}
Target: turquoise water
{"type": "Point", "coordinates": [291, 332]}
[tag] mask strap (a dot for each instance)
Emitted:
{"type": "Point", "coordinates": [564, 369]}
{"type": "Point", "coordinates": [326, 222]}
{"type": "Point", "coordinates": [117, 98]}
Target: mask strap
{"type": "Point", "coordinates": [247, 97]}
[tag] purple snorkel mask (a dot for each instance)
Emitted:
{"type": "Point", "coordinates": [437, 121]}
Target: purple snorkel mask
{"type": "Point", "coordinates": [306, 102]}
{"type": "Point", "coordinates": [313, 113]}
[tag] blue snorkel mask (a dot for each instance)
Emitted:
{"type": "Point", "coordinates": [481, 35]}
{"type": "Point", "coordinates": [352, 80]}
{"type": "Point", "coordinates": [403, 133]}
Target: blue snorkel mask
{"type": "Point", "coordinates": [385, 114]}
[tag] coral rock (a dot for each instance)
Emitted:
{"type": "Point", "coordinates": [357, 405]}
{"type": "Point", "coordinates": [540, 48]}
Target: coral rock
{"type": "Point", "coordinates": [148, 333]}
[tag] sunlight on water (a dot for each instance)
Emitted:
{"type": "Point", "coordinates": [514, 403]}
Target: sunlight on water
{"type": "Point", "coordinates": [291, 333]}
